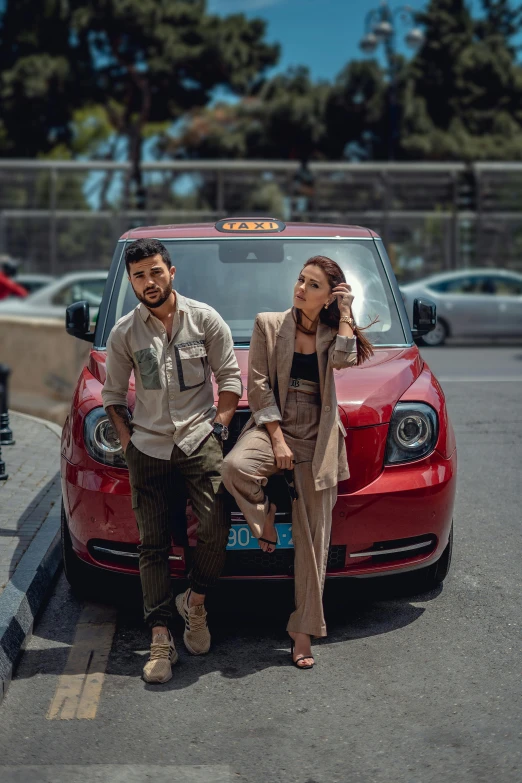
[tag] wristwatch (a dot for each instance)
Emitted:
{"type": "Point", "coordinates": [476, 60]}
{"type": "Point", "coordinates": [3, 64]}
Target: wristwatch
{"type": "Point", "coordinates": [347, 320]}
{"type": "Point", "coordinates": [221, 430]}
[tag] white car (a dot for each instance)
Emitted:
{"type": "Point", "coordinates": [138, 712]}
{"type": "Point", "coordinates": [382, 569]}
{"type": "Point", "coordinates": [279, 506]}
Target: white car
{"type": "Point", "coordinates": [52, 300]}
{"type": "Point", "coordinates": [33, 282]}
{"type": "Point", "coordinates": [470, 303]}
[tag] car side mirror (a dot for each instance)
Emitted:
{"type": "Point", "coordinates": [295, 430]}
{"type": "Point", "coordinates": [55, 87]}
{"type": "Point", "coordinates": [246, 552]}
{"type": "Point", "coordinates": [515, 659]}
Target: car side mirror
{"type": "Point", "coordinates": [424, 317]}
{"type": "Point", "coordinates": [78, 321]}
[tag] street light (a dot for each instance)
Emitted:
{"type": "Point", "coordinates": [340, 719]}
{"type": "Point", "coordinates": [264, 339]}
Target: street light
{"type": "Point", "coordinates": [381, 27]}
{"type": "Point", "coordinates": [414, 38]}
{"type": "Point", "coordinates": [369, 43]}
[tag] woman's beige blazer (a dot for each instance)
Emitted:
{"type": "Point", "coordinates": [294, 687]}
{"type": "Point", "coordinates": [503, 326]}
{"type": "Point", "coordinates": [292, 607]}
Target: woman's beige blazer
{"type": "Point", "coordinates": [270, 362]}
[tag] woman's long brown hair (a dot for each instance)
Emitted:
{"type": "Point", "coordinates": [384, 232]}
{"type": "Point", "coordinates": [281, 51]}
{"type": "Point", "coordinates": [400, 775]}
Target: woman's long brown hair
{"type": "Point", "coordinates": [331, 315]}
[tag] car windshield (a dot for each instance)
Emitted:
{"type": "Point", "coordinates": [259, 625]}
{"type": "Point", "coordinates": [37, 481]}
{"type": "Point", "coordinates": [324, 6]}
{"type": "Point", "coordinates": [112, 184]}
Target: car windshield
{"type": "Point", "coordinates": [243, 277]}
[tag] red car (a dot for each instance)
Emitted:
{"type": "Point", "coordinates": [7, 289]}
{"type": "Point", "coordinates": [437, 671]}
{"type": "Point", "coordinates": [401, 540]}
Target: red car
{"type": "Point", "coordinates": [393, 515]}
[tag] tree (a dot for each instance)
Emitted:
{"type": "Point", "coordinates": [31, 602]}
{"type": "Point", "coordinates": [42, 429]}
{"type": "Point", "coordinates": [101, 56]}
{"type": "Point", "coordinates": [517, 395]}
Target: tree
{"type": "Point", "coordinates": [464, 97]}
{"type": "Point", "coordinates": [38, 89]}
{"type": "Point", "coordinates": [147, 62]}
{"type": "Point", "coordinates": [281, 117]}
{"type": "Point", "coordinates": [356, 112]}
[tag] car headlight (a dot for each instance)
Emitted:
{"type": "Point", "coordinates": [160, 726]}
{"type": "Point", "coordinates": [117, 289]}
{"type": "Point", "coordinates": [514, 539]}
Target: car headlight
{"type": "Point", "coordinates": [101, 441]}
{"type": "Point", "coordinates": [413, 432]}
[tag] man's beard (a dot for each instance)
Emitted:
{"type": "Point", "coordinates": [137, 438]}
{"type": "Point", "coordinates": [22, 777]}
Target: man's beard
{"type": "Point", "coordinates": [162, 298]}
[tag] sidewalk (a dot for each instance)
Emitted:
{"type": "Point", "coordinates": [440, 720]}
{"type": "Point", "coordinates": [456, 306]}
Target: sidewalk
{"type": "Point", "coordinates": [32, 489]}
{"type": "Point", "coordinates": [29, 532]}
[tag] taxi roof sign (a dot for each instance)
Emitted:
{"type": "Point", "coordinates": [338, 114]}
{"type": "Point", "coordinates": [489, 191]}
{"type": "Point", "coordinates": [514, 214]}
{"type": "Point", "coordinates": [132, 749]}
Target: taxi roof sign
{"type": "Point", "coordinates": [250, 225]}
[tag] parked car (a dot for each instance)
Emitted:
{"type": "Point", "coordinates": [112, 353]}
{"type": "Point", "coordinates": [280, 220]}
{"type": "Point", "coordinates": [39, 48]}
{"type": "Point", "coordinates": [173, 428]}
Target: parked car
{"type": "Point", "coordinates": [33, 282]}
{"type": "Point", "coordinates": [52, 300]}
{"type": "Point", "coordinates": [394, 513]}
{"type": "Point", "coordinates": [470, 303]}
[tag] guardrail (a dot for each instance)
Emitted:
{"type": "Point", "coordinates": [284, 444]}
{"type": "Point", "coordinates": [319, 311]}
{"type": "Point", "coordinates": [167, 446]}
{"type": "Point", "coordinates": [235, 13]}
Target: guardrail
{"type": "Point", "coordinates": [59, 215]}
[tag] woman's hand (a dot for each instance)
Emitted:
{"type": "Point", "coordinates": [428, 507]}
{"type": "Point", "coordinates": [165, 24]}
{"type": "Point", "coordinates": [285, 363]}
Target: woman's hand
{"type": "Point", "coordinates": [283, 454]}
{"type": "Point", "coordinates": [343, 293]}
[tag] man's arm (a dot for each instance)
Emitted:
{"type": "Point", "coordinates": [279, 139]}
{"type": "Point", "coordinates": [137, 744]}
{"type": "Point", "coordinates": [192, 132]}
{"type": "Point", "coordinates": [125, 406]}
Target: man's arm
{"type": "Point", "coordinates": [223, 363]}
{"type": "Point", "coordinates": [114, 393]}
{"type": "Point", "coordinates": [121, 421]}
{"type": "Point", "coordinates": [227, 404]}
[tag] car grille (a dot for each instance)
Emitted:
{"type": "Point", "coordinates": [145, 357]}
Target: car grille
{"type": "Point", "coordinates": [252, 562]}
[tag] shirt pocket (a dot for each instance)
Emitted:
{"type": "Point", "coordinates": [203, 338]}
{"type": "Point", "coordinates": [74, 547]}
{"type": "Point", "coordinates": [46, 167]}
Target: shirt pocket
{"type": "Point", "coordinates": [192, 364]}
{"type": "Point", "coordinates": [147, 363]}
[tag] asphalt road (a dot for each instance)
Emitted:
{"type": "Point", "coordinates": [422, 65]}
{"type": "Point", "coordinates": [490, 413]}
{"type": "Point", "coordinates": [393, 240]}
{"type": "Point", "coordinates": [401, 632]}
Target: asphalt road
{"type": "Point", "coordinates": [406, 688]}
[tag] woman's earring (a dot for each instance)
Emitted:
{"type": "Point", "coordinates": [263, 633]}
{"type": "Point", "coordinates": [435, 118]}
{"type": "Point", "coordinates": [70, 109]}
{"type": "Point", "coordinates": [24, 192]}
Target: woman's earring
{"type": "Point", "coordinates": [326, 306]}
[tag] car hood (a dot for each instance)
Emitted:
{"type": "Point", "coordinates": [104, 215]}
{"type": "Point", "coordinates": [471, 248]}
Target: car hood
{"type": "Point", "coordinates": [367, 395]}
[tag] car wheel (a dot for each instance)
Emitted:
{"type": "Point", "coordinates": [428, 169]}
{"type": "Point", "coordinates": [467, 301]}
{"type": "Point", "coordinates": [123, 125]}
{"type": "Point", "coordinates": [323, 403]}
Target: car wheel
{"type": "Point", "coordinates": [436, 337]}
{"type": "Point", "coordinates": [429, 578]}
{"type": "Point", "coordinates": [77, 573]}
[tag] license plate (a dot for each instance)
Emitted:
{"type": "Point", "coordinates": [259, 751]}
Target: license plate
{"type": "Point", "coordinates": [241, 537]}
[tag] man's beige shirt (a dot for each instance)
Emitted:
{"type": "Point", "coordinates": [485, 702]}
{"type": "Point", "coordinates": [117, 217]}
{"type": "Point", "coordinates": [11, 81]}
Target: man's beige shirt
{"type": "Point", "coordinates": [174, 392]}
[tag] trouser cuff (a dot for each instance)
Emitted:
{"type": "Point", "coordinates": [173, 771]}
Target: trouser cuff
{"type": "Point", "coordinates": [197, 587]}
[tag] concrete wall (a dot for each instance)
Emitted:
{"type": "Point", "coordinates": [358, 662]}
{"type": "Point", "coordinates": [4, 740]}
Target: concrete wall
{"type": "Point", "coordinates": [45, 362]}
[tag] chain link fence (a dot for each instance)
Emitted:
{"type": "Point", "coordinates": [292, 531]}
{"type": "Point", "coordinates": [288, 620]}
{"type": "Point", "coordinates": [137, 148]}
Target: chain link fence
{"type": "Point", "coordinates": [60, 216]}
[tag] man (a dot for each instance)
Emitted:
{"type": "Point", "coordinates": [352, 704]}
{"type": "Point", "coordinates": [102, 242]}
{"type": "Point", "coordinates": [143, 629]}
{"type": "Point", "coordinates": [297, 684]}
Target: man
{"type": "Point", "coordinates": [174, 440]}
{"type": "Point", "coordinates": [8, 286]}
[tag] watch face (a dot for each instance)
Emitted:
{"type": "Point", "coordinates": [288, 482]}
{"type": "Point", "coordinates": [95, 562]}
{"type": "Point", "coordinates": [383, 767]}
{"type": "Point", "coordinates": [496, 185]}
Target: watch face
{"type": "Point", "coordinates": [221, 431]}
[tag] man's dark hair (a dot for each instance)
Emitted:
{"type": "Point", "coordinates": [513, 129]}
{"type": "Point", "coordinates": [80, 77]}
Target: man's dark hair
{"type": "Point", "coordinates": [145, 248]}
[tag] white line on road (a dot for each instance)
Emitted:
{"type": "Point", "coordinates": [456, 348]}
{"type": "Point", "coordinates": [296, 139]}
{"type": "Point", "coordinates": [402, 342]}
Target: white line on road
{"type": "Point", "coordinates": [115, 773]}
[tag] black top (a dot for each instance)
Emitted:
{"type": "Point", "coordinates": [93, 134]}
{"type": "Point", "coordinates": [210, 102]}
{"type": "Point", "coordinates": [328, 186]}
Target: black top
{"type": "Point", "coordinates": [305, 366]}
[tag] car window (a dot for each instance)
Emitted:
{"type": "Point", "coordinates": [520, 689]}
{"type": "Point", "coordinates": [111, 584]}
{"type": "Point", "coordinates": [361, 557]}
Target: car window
{"type": "Point", "coordinates": [468, 284]}
{"type": "Point", "coordinates": [90, 290]}
{"type": "Point", "coordinates": [243, 277]}
{"type": "Point", "coordinates": [508, 286]}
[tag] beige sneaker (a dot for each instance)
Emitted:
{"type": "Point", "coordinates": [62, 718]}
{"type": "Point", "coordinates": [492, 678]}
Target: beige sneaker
{"type": "Point", "coordinates": [163, 656]}
{"type": "Point", "coordinates": [197, 635]}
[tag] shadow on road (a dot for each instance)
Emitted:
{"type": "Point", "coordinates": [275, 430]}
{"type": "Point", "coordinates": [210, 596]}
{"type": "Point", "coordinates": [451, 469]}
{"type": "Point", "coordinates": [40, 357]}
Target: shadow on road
{"type": "Point", "coordinates": [247, 621]}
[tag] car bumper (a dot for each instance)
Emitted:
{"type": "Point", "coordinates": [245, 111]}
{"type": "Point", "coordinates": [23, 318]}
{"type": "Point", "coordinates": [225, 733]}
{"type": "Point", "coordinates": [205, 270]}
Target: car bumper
{"type": "Point", "coordinates": [399, 522]}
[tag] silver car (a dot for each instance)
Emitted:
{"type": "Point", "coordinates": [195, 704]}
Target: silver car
{"type": "Point", "coordinates": [52, 300]}
{"type": "Point", "coordinates": [470, 303]}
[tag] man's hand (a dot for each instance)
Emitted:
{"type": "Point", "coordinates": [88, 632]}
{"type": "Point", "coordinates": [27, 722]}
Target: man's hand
{"type": "Point", "coordinates": [124, 443]}
{"type": "Point", "coordinates": [120, 419]}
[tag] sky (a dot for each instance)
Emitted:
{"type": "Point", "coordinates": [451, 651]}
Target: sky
{"type": "Point", "coordinates": [322, 34]}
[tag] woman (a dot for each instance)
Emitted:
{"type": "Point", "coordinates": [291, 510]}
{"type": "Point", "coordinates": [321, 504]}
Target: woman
{"type": "Point", "coordinates": [296, 426]}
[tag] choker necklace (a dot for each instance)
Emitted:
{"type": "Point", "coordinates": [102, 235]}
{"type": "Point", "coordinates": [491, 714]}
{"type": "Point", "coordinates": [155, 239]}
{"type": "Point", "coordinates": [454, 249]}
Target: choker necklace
{"type": "Point", "coordinates": [299, 325]}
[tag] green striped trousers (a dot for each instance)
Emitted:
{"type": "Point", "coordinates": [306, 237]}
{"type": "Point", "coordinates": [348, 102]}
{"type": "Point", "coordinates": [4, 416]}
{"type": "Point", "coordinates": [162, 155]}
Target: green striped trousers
{"type": "Point", "coordinates": [157, 485]}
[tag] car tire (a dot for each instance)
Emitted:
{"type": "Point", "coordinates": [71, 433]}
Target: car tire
{"type": "Point", "coordinates": [432, 576]}
{"type": "Point", "coordinates": [437, 337]}
{"type": "Point", "coordinates": [78, 574]}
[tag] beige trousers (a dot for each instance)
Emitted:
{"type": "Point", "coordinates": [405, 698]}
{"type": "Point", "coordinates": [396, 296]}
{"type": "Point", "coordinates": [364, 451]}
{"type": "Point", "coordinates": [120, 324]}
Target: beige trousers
{"type": "Point", "coordinates": [246, 470]}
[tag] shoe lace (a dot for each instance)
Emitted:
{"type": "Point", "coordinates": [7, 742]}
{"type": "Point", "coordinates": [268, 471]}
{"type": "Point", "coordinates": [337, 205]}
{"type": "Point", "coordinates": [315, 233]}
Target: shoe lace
{"type": "Point", "coordinates": [159, 650]}
{"type": "Point", "coordinates": [198, 622]}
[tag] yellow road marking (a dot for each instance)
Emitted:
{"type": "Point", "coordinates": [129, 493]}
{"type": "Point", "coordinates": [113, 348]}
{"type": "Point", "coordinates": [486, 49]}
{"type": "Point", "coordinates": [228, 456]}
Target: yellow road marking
{"type": "Point", "coordinates": [79, 688]}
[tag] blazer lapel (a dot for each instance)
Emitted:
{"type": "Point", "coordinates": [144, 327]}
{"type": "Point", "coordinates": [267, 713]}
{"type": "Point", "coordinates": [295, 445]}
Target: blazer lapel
{"type": "Point", "coordinates": [285, 342]}
{"type": "Point", "coordinates": [323, 341]}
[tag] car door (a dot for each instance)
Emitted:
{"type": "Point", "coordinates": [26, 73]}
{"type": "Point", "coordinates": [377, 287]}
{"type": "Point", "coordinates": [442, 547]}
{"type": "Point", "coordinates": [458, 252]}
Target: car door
{"type": "Point", "coordinates": [468, 304]}
{"type": "Point", "coordinates": [508, 297]}
{"type": "Point", "coordinates": [87, 288]}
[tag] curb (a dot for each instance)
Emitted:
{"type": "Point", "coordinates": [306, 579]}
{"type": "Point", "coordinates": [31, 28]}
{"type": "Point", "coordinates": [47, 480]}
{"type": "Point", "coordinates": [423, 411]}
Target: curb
{"type": "Point", "coordinates": [25, 593]}
{"type": "Point", "coordinates": [49, 424]}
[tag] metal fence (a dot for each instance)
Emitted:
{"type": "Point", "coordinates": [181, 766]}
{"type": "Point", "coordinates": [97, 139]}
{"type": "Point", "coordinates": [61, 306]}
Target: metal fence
{"type": "Point", "coordinates": [57, 216]}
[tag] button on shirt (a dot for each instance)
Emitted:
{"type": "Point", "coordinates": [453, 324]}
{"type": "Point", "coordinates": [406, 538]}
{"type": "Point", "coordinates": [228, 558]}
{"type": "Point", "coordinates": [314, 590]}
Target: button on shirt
{"type": "Point", "coordinates": [174, 392]}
